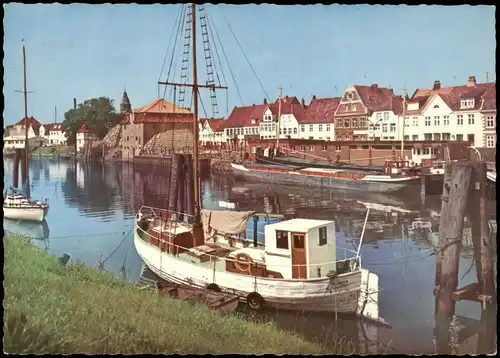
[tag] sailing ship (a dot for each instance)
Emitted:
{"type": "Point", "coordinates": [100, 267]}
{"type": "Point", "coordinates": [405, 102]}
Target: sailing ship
{"type": "Point", "coordinates": [18, 205]}
{"type": "Point", "coordinates": [295, 268]}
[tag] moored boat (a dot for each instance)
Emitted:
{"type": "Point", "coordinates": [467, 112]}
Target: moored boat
{"type": "Point", "coordinates": [17, 206]}
{"type": "Point", "coordinates": [398, 175]}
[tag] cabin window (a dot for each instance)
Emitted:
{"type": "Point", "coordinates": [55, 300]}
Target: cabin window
{"type": "Point", "coordinates": [322, 236]}
{"type": "Point", "coordinates": [282, 240]}
{"type": "Point", "coordinates": [298, 241]}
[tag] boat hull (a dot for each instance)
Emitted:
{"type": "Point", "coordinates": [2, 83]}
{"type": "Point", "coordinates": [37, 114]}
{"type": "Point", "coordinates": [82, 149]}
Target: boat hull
{"type": "Point", "coordinates": [294, 178]}
{"type": "Point", "coordinates": [314, 295]}
{"type": "Point", "coordinates": [25, 214]}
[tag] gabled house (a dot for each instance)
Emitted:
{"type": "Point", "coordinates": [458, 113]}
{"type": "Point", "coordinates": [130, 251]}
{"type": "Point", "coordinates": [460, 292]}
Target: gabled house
{"type": "Point", "coordinates": [84, 137]}
{"type": "Point", "coordinates": [16, 134]}
{"type": "Point", "coordinates": [243, 122]}
{"type": "Point", "coordinates": [318, 121]}
{"type": "Point", "coordinates": [142, 124]}
{"type": "Point", "coordinates": [54, 133]}
{"type": "Point", "coordinates": [368, 112]}
{"type": "Point", "coordinates": [212, 131]}
{"type": "Point", "coordinates": [465, 112]}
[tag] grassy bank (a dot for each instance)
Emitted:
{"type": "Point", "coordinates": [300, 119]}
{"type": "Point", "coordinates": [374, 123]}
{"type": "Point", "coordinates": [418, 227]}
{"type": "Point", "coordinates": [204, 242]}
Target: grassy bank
{"type": "Point", "coordinates": [51, 308]}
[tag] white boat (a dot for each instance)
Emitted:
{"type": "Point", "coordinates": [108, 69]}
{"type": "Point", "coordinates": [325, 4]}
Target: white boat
{"type": "Point", "coordinates": [18, 207]}
{"type": "Point", "coordinates": [492, 176]}
{"type": "Point", "coordinates": [295, 268]}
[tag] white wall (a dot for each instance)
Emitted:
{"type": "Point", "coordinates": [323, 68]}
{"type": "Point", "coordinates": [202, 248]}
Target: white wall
{"type": "Point", "coordinates": [322, 131]}
{"type": "Point", "coordinates": [384, 125]}
{"type": "Point", "coordinates": [320, 256]}
{"type": "Point", "coordinates": [17, 142]}
{"type": "Point", "coordinates": [277, 263]}
{"type": "Point", "coordinates": [240, 133]}
{"type": "Point", "coordinates": [83, 138]}
{"type": "Point", "coordinates": [208, 135]}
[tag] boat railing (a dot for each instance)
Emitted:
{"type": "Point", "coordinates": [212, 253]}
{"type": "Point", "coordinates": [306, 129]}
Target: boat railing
{"type": "Point", "coordinates": [342, 266]}
{"type": "Point", "coordinates": [158, 213]}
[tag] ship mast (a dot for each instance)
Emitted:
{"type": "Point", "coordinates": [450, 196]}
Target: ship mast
{"type": "Point", "coordinates": [278, 122]}
{"type": "Point", "coordinates": [403, 129]}
{"type": "Point", "coordinates": [26, 123]}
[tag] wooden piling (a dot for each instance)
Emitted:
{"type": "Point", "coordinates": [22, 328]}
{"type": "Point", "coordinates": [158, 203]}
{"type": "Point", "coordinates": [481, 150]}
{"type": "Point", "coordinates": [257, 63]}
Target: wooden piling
{"type": "Point", "coordinates": [24, 173]}
{"type": "Point", "coordinates": [174, 181]}
{"type": "Point", "coordinates": [181, 187]}
{"type": "Point", "coordinates": [450, 237]}
{"type": "Point", "coordinates": [189, 183]}
{"type": "Point", "coordinates": [15, 174]}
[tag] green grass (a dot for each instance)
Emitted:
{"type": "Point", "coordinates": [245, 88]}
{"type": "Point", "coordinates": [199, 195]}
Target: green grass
{"type": "Point", "coordinates": [52, 308]}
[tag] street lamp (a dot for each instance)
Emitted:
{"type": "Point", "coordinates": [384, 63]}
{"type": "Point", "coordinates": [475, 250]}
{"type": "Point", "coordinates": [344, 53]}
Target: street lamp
{"type": "Point", "coordinates": [477, 152]}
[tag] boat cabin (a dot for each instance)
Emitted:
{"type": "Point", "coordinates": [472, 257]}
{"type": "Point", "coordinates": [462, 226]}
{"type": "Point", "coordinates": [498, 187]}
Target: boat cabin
{"type": "Point", "coordinates": [294, 249]}
{"type": "Point", "coordinates": [400, 167]}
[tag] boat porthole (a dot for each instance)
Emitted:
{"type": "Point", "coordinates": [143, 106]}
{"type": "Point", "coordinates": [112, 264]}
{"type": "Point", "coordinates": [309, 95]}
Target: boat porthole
{"type": "Point", "coordinates": [255, 301]}
{"type": "Point", "coordinates": [213, 287]}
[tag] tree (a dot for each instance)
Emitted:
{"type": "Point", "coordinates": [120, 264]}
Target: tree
{"type": "Point", "coordinates": [99, 114]}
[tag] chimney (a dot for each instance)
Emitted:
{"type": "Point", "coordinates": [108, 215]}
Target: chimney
{"type": "Point", "coordinates": [374, 85]}
{"type": "Point", "coordinates": [437, 85]}
{"type": "Point", "coordinates": [392, 90]}
{"type": "Point", "coordinates": [472, 81]}
{"type": "Point", "coordinates": [314, 97]}
{"type": "Point", "coordinates": [303, 103]}
{"type": "Point", "coordinates": [265, 101]}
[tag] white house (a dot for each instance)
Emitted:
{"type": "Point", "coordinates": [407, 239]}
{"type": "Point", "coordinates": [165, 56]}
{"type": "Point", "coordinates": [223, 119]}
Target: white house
{"type": "Point", "coordinates": [291, 113]}
{"type": "Point", "coordinates": [84, 137]}
{"type": "Point", "coordinates": [54, 132]}
{"type": "Point", "coordinates": [318, 121]}
{"type": "Point", "coordinates": [212, 131]}
{"type": "Point", "coordinates": [453, 113]}
{"type": "Point", "coordinates": [244, 122]}
{"type": "Point", "coordinates": [16, 135]}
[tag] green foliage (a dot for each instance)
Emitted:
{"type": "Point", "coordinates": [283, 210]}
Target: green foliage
{"type": "Point", "coordinates": [99, 114]}
{"type": "Point", "coordinates": [52, 308]}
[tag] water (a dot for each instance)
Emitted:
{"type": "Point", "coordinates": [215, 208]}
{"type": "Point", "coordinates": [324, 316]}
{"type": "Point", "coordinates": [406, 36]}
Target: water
{"type": "Point", "coordinates": [91, 218]}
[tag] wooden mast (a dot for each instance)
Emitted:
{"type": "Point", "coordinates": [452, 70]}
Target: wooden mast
{"type": "Point", "coordinates": [278, 122]}
{"type": "Point", "coordinates": [26, 123]}
{"type": "Point", "coordinates": [197, 226]}
{"type": "Point", "coordinates": [404, 120]}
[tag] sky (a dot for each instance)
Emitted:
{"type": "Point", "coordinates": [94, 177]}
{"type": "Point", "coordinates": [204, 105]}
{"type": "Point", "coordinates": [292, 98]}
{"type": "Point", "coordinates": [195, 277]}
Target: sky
{"type": "Point", "coordinates": [85, 51]}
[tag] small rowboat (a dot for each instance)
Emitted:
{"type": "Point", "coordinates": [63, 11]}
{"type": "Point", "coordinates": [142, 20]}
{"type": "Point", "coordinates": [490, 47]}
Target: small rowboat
{"type": "Point", "coordinates": [220, 302]}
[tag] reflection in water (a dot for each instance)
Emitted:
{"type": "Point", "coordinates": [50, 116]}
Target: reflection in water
{"type": "Point", "coordinates": [91, 217]}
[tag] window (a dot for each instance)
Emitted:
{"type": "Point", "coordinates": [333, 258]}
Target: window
{"type": "Point", "coordinates": [127, 140]}
{"type": "Point", "coordinates": [406, 122]}
{"type": "Point", "coordinates": [353, 107]}
{"type": "Point", "coordinates": [470, 138]}
{"type": "Point", "coordinates": [427, 121]}
{"type": "Point", "coordinates": [337, 148]}
{"type": "Point", "coordinates": [328, 128]}
{"type": "Point", "coordinates": [437, 136]}
{"type": "Point", "coordinates": [282, 240]}
{"type": "Point", "coordinates": [460, 120]}
{"type": "Point", "coordinates": [414, 137]}
{"type": "Point", "coordinates": [346, 107]}
{"type": "Point", "coordinates": [295, 130]}
{"type": "Point", "coordinates": [471, 119]}
{"type": "Point", "coordinates": [460, 137]}
{"type": "Point", "coordinates": [384, 128]}
{"type": "Point", "coordinates": [436, 120]}
{"type": "Point", "coordinates": [311, 148]}
{"type": "Point", "coordinates": [347, 123]}
{"type": "Point", "coordinates": [327, 138]}
{"type": "Point", "coordinates": [446, 120]}
{"type": "Point", "coordinates": [354, 123]}
{"type": "Point", "coordinates": [490, 141]}
{"type": "Point", "coordinates": [386, 116]}
{"type": "Point", "coordinates": [490, 122]}
{"type": "Point", "coordinates": [379, 115]}
{"type": "Point", "coordinates": [436, 106]}
{"type": "Point", "coordinates": [302, 128]}
{"type": "Point", "coordinates": [362, 122]}
{"type": "Point", "coordinates": [392, 127]}
{"type": "Point", "coordinates": [339, 123]}
{"type": "Point", "coordinates": [289, 130]}
{"type": "Point", "coordinates": [302, 148]}
{"type": "Point", "coordinates": [406, 137]}
{"type": "Point", "coordinates": [415, 121]}
{"type": "Point", "coordinates": [467, 103]}
{"type": "Point", "coordinates": [253, 120]}
{"type": "Point", "coordinates": [322, 236]}
{"type": "Point", "coordinates": [427, 136]}
{"type": "Point", "coordinates": [324, 148]}
{"type": "Point", "coordinates": [298, 241]}
{"type": "Point", "coordinates": [320, 128]}
{"type": "Point", "coordinates": [311, 128]}
{"type": "Point", "coordinates": [446, 136]}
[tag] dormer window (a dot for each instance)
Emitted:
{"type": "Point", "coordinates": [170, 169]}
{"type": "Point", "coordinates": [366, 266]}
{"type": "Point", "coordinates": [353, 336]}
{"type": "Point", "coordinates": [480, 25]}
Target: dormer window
{"type": "Point", "coordinates": [253, 120]}
{"type": "Point", "coordinates": [436, 106]}
{"type": "Point", "coordinates": [467, 103]}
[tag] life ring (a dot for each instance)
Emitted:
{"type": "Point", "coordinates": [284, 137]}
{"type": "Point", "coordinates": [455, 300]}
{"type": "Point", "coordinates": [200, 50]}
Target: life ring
{"type": "Point", "coordinates": [244, 260]}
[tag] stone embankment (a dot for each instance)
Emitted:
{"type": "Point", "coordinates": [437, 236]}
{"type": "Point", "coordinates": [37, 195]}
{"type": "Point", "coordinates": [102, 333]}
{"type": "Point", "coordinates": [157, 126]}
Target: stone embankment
{"type": "Point", "coordinates": [178, 141]}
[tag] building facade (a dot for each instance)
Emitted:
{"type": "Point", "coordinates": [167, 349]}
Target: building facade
{"type": "Point", "coordinates": [54, 133]}
{"type": "Point", "coordinates": [84, 138]}
{"type": "Point", "coordinates": [318, 121]}
{"type": "Point", "coordinates": [16, 134]}
{"type": "Point", "coordinates": [212, 131]}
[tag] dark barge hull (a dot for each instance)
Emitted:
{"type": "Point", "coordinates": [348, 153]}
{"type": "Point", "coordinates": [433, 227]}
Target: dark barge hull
{"type": "Point", "coordinates": [304, 163]}
{"type": "Point", "coordinates": [321, 181]}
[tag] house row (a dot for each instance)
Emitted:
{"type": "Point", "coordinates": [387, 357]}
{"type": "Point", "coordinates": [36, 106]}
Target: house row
{"type": "Point", "coordinates": [42, 134]}
{"type": "Point", "coordinates": [465, 112]}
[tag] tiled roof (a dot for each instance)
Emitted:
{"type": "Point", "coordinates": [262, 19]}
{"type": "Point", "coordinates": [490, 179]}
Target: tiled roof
{"type": "Point", "coordinates": [84, 129]}
{"type": "Point", "coordinates": [216, 124]}
{"type": "Point", "coordinates": [54, 127]}
{"type": "Point", "coordinates": [161, 106]}
{"type": "Point", "coordinates": [163, 118]}
{"type": "Point", "coordinates": [320, 110]}
{"type": "Point", "coordinates": [242, 116]}
{"type": "Point", "coordinates": [289, 105]}
{"type": "Point", "coordinates": [31, 121]}
{"type": "Point", "coordinates": [378, 99]}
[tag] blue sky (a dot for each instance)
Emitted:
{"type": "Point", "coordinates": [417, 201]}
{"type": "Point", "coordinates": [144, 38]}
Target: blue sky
{"type": "Point", "coordinates": [87, 51]}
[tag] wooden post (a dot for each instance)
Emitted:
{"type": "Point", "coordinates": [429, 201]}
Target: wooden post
{"type": "Point", "coordinates": [450, 237]}
{"type": "Point", "coordinates": [17, 159]}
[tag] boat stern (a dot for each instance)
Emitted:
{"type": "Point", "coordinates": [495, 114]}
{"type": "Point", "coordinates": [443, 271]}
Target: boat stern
{"type": "Point", "coordinates": [368, 302]}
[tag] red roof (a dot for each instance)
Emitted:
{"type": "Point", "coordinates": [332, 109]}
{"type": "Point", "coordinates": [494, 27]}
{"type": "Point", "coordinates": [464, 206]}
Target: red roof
{"type": "Point", "coordinates": [54, 127]}
{"type": "Point", "coordinates": [378, 99]}
{"type": "Point", "coordinates": [242, 116]}
{"type": "Point", "coordinates": [320, 111]}
{"type": "Point", "coordinates": [216, 124]}
{"type": "Point", "coordinates": [31, 122]}
{"type": "Point", "coordinates": [84, 129]}
{"type": "Point", "coordinates": [158, 118]}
